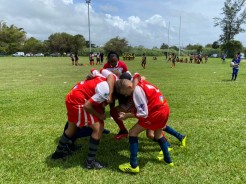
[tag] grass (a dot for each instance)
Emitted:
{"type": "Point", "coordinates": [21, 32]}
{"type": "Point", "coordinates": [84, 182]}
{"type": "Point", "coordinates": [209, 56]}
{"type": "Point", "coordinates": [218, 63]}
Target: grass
{"type": "Point", "coordinates": [205, 105]}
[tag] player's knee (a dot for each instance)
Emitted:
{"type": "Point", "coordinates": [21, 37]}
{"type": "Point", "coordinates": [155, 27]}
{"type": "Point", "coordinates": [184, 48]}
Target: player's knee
{"type": "Point", "coordinates": [150, 135]}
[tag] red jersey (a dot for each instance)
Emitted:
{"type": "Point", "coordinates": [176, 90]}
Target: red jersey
{"type": "Point", "coordinates": [121, 66]}
{"type": "Point", "coordinates": [96, 91]}
{"type": "Point", "coordinates": [151, 107]}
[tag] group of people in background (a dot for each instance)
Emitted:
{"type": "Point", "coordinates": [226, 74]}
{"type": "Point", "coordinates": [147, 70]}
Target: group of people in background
{"type": "Point", "coordinates": [197, 59]}
{"type": "Point", "coordinates": [99, 58]}
{"type": "Point", "coordinates": [136, 97]}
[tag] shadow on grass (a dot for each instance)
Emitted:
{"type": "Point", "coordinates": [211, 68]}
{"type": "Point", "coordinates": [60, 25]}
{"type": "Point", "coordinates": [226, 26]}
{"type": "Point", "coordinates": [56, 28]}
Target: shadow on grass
{"type": "Point", "coordinates": [111, 152]}
{"type": "Point", "coordinates": [227, 80]}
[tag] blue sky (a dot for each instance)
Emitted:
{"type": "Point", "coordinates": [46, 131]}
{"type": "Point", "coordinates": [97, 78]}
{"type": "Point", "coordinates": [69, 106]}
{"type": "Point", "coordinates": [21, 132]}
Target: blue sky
{"type": "Point", "coordinates": [142, 22]}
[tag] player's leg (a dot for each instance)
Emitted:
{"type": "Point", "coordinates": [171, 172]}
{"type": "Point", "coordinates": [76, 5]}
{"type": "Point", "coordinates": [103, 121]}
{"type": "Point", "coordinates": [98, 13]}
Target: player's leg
{"type": "Point", "coordinates": [182, 138]}
{"type": "Point", "coordinates": [114, 112]}
{"type": "Point", "coordinates": [164, 146]}
{"type": "Point", "coordinates": [91, 163]}
{"type": "Point", "coordinates": [133, 140]}
{"type": "Point", "coordinates": [65, 144]}
{"type": "Point", "coordinates": [236, 72]}
{"type": "Point", "coordinates": [233, 74]}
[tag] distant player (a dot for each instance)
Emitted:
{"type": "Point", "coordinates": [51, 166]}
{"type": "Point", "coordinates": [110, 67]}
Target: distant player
{"type": "Point", "coordinates": [143, 63]}
{"type": "Point", "coordinates": [114, 64]}
{"type": "Point", "coordinates": [235, 68]}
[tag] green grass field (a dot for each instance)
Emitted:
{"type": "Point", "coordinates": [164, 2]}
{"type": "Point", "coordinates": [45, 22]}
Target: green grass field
{"type": "Point", "coordinates": [204, 103]}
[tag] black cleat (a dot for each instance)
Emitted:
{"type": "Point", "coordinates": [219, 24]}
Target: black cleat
{"type": "Point", "coordinates": [74, 147]}
{"type": "Point", "coordinates": [94, 164]}
{"type": "Point", "coordinates": [62, 152]}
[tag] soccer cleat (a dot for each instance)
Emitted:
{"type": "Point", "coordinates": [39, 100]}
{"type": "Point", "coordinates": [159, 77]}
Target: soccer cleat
{"type": "Point", "coordinates": [106, 131]}
{"type": "Point", "coordinates": [122, 134]}
{"type": "Point", "coordinates": [61, 152]}
{"type": "Point", "coordinates": [160, 155]}
{"type": "Point", "coordinates": [94, 164]}
{"type": "Point", "coordinates": [171, 164]}
{"type": "Point", "coordinates": [183, 141]}
{"type": "Point", "coordinates": [128, 168]}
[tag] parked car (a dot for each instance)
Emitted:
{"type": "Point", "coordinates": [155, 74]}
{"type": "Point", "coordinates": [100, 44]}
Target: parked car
{"type": "Point", "coordinates": [214, 55]}
{"type": "Point", "coordinates": [242, 55]}
{"type": "Point", "coordinates": [19, 54]}
{"type": "Point", "coordinates": [56, 54]}
{"type": "Point", "coordinates": [29, 54]}
{"type": "Point", "coordinates": [39, 55]}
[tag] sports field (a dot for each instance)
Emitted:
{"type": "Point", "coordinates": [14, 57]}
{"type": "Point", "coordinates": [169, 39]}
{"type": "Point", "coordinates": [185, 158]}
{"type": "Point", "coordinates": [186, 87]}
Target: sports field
{"type": "Point", "coordinates": [204, 103]}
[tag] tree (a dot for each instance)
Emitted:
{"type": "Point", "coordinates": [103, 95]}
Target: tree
{"type": "Point", "coordinates": [208, 45]}
{"type": "Point", "coordinates": [78, 43]}
{"type": "Point", "coordinates": [196, 47]}
{"type": "Point", "coordinates": [232, 21]}
{"type": "Point", "coordinates": [117, 44]}
{"type": "Point", "coordinates": [33, 45]}
{"type": "Point", "coordinates": [232, 47]}
{"type": "Point", "coordinates": [174, 48]}
{"type": "Point", "coordinates": [12, 38]}
{"type": "Point", "coordinates": [64, 42]}
{"type": "Point", "coordinates": [215, 45]}
{"type": "Point", "coordinates": [164, 46]}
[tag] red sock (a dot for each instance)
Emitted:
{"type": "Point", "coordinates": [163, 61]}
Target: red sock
{"type": "Point", "coordinates": [115, 116]}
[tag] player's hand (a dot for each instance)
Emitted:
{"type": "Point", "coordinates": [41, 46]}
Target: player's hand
{"type": "Point", "coordinates": [122, 116]}
{"type": "Point", "coordinates": [110, 98]}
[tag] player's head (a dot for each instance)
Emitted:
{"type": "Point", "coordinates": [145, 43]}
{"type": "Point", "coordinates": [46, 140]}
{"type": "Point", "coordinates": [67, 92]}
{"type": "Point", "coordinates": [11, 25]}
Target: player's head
{"type": "Point", "coordinates": [125, 75]}
{"type": "Point", "coordinates": [124, 87]}
{"type": "Point", "coordinates": [113, 58]}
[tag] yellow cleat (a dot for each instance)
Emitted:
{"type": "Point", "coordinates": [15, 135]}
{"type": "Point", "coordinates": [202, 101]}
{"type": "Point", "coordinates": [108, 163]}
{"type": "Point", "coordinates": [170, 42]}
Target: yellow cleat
{"type": "Point", "coordinates": [170, 164]}
{"type": "Point", "coordinates": [128, 168]}
{"type": "Point", "coordinates": [160, 158]}
{"type": "Point", "coordinates": [160, 155]}
{"type": "Point", "coordinates": [183, 141]}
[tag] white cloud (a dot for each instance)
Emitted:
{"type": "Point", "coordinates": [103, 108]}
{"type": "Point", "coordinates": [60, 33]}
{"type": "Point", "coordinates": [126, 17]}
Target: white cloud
{"type": "Point", "coordinates": [68, 1]}
{"type": "Point", "coordinates": [140, 23]}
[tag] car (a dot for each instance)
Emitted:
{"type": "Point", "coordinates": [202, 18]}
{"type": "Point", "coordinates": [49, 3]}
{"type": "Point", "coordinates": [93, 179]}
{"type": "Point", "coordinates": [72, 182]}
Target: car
{"type": "Point", "coordinates": [39, 55]}
{"type": "Point", "coordinates": [242, 55]}
{"type": "Point", "coordinates": [29, 54]}
{"type": "Point", "coordinates": [214, 55]}
{"type": "Point", "coordinates": [56, 54]}
{"type": "Point", "coordinates": [18, 54]}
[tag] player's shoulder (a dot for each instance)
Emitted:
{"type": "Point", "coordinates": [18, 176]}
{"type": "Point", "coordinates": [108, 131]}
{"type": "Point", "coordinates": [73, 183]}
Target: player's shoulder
{"type": "Point", "coordinates": [121, 62]}
{"type": "Point", "coordinates": [106, 65]}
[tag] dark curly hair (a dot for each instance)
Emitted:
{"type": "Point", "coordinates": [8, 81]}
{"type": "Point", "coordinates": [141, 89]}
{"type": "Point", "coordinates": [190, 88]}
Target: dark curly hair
{"type": "Point", "coordinates": [112, 52]}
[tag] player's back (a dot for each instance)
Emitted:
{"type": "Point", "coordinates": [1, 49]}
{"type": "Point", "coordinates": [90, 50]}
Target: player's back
{"type": "Point", "coordinates": [84, 90]}
{"type": "Point", "coordinates": [154, 96]}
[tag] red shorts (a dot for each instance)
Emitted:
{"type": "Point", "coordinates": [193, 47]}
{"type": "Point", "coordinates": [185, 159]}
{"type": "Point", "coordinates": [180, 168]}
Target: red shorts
{"type": "Point", "coordinates": [77, 115]}
{"type": "Point", "coordinates": [156, 120]}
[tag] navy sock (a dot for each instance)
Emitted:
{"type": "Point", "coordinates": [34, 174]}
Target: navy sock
{"type": "Point", "coordinates": [173, 132]}
{"type": "Point", "coordinates": [134, 151]}
{"type": "Point", "coordinates": [164, 147]}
